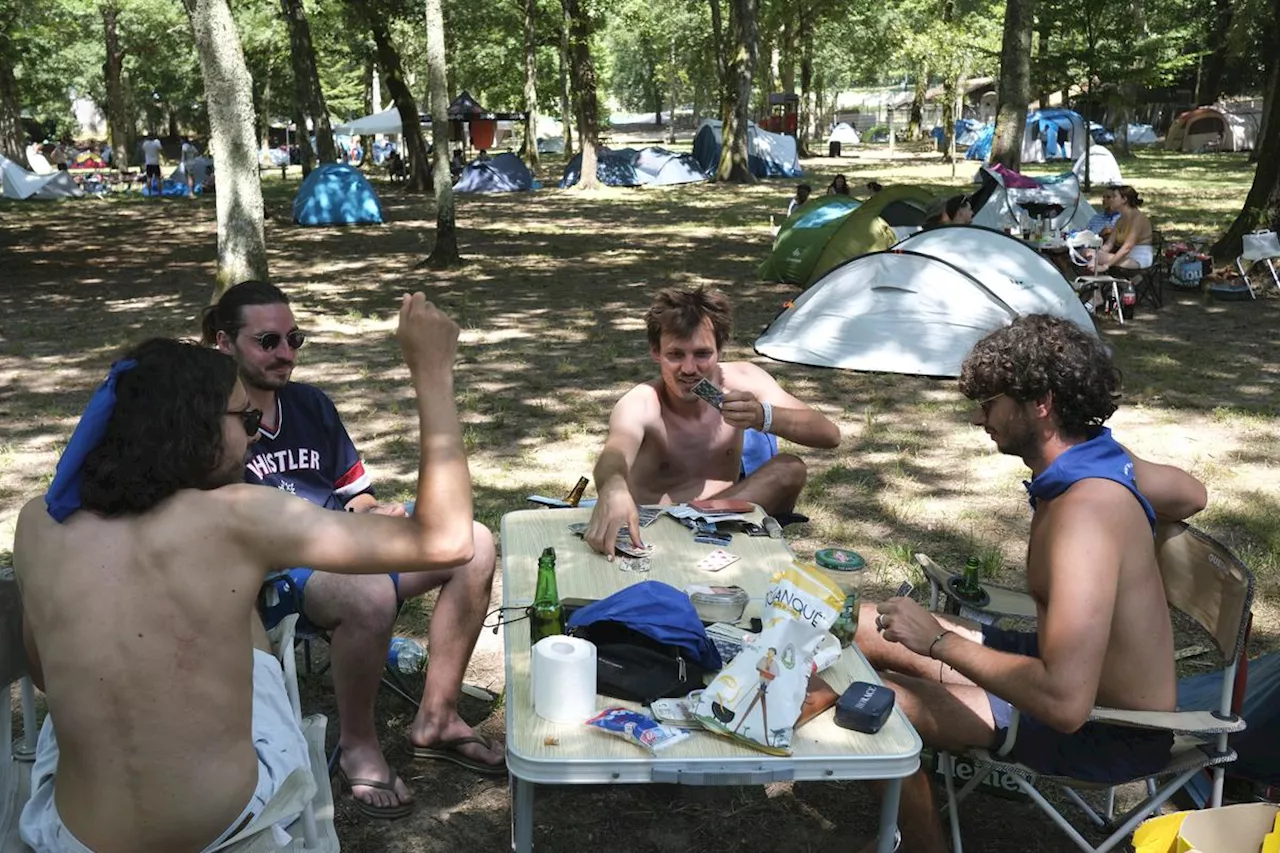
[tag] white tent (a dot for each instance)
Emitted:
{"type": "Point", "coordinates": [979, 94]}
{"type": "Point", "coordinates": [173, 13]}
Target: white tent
{"type": "Point", "coordinates": [844, 134]}
{"type": "Point", "coordinates": [36, 160]}
{"type": "Point", "coordinates": [1002, 207]}
{"type": "Point", "coordinates": [1141, 134]}
{"type": "Point", "coordinates": [1221, 127]}
{"type": "Point", "coordinates": [387, 121]}
{"type": "Point", "coordinates": [18, 183]}
{"type": "Point", "coordinates": [914, 310]}
{"type": "Point", "coordinates": [200, 166]}
{"type": "Point", "coordinates": [1103, 168]}
{"type": "Point", "coordinates": [551, 145]}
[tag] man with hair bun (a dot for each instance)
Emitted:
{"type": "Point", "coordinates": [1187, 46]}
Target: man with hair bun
{"type": "Point", "coordinates": [1042, 388]}
{"type": "Point", "coordinates": [668, 445]}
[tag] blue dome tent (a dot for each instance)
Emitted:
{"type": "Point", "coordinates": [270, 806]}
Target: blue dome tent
{"type": "Point", "coordinates": [665, 168]}
{"type": "Point", "coordinates": [613, 168]}
{"type": "Point", "coordinates": [336, 194]}
{"type": "Point", "coordinates": [769, 155]}
{"type": "Point", "coordinates": [505, 173]}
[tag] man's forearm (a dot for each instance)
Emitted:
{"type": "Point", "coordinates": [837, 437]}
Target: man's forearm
{"type": "Point", "coordinates": [805, 427]}
{"type": "Point", "coordinates": [444, 480]}
{"type": "Point", "coordinates": [611, 471]}
{"type": "Point", "coordinates": [1023, 681]}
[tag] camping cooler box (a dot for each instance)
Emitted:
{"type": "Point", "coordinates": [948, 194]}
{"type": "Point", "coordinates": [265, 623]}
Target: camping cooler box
{"type": "Point", "coordinates": [833, 148]}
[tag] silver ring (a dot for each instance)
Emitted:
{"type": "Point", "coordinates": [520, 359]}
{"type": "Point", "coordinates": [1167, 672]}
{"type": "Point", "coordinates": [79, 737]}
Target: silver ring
{"type": "Point", "coordinates": [880, 626]}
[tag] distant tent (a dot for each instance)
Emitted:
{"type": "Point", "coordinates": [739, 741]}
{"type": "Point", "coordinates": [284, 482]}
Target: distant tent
{"type": "Point", "coordinates": [17, 183]}
{"type": "Point", "coordinates": [1054, 134]}
{"type": "Point", "coordinates": [504, 173]}
{"type": "Point", "coordinates": [1103, 168]}
{"type": "Point", "coordinates": [200, 167]}
{"type": "Point", "coordinates": [1221, 127]}
{"type": "Point", "coordinates": [1141, 134]}
{"type": "Point", "coordinates": [822, 234]}
{"type": "Point", "coordinates": [845, 134]}
{"type": "Point", "coordinates": [769, 155]}
{"type": "Point", "coordinates": [920, 308]}
{"type": "Point", "coordinates": [968, 131]}
{"type": "Point", "coordinates": [1003, 202]}
{"type": "Point", "coordinates": [385, 122]}
{"type": "Point", "coordinates": [336, 194]}
{"type": "Point", "coordinates": [551, 145]}
{"type": "Point", "coordinates": [980, 148]}
{"type": "Point", "coordinates": [661, 167]}
{"type": "Point", "coordinates": [614, 168]}
{"type": "Point", "coordinates": [36, 160]}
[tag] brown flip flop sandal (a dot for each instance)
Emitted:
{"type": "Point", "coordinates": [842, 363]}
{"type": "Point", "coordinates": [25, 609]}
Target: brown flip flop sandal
{"type": "Point", "coordinates": [447, 750]}
{"type": "Point", "coordinates": [370, 810]}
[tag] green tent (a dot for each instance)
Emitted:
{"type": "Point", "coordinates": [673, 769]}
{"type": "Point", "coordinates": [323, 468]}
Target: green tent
{"type": "Point", "coordinates": [802, 255]}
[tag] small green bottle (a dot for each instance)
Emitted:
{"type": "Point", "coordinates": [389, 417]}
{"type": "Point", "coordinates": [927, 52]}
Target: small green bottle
{"type": "Point", "coordinates": [845, 626]}
{"type": "Point", "coordinates": [545, 616]}
{"type": "Point", "coordinates": [972, 570]}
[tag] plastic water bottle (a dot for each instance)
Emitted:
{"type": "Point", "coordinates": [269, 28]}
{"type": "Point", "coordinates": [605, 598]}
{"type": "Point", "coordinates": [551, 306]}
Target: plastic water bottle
{"type": "Point", "coordinates": [406, 655]}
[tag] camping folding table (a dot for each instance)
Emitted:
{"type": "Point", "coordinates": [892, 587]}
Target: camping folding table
{"type": "Point", "coordinates": [541, 752]}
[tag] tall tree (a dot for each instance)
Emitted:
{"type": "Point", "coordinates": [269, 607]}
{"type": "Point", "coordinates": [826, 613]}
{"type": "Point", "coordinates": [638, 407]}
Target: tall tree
{"type": "Point", "coordinates": [306, 80]}
{"type": "Point", "coordinates": [242, 247]}
{"type": "Point", "coordinates": [445, 254]}
{"type": "Point", "coordinates": [13, 140]}
{"type": "Point", "coordinates": [583, 73]}
{"type": "Point", "coordinates": [1013, 91]}
{"type": "Point", "coordinates": [375, 18]}
{"type": "Point", "coordinates": [1262, 205]}
{"type": "Point", "coordinates": [530, 84]}
{"type": "Point", "coordinates": [566, 101]}
{"type": "Point", "coordinates": [118, 118]}
{"type": "Point", "coordinates": [739, 69]}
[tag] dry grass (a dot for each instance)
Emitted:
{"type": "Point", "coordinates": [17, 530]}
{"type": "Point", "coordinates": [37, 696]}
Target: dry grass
{"type": "Point", "coordinates": [550, 304]}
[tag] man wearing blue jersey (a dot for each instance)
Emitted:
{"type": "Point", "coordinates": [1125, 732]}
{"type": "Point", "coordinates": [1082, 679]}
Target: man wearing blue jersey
{"type": "Point", "coordinates": [304, 449]}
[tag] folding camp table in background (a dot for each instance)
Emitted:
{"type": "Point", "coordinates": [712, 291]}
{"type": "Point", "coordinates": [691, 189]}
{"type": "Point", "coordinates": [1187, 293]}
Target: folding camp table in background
{"type": "Point", "coordinates": [540, 752]}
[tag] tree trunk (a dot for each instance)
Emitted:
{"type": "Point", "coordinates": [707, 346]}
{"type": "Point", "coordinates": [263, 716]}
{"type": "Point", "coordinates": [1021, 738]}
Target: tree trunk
{"type": "Point", "coordinates": [583, 73]}
{"type": "Point", "coordinates": [530, 86]}
{"type": "Point", "coordinates": [949, 87]}
{"type": "Point", "coordinates": [734, 154]}
{"type": "Point", "coordinates": [809, 107]}
{"type": "Point", "coordinates": [1209, 86]}
{"type": "Point", "coordinates": [306, 155]}
{"type": "Point", "coordinates": [1042, 47]}
{"type": "Point", "coordinates": [723, 87]}
{"type": "Point", "coordinates": [242, 248]}
{"type": "Point", "coordinates": [113, 72]}
{"type": "Point", "coordinates": [13, 140]}
{"type": "Point", "coordinates": [393, 73]}
{"type": "Point", "coordinates": [915, 124]}
{"type": "Point", "coordinates": [306, 80]}
{"type": "Point", "coordinates": [1262, 205]}
{"type": "Point", "coordinates": [1268, 103]}
{"type": "Point", "coordinates": [445, 254]}
{"type": "Point", "coordinates": [787, 46]}
{"type": "Point", "coordinates": [566, 109]}
{"type": "Point", "coordinates": [1013, 92]}
{"type": "Point", "coordinates": [672, 77]}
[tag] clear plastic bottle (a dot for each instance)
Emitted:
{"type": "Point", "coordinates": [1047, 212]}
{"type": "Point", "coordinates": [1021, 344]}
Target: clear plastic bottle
{"type": "Point", "coordinates": [406, 655]}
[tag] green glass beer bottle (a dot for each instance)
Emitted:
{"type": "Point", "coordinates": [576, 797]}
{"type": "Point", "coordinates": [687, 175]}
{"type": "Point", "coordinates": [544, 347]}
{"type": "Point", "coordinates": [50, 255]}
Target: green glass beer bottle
{"type": "Point", "coordinates": [972, 570]}
{"type": "Point", "coordinates": [545, 616]}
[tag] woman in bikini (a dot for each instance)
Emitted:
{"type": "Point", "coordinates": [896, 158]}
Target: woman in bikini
{"type": "Point", "coordinates": [1129, 246]}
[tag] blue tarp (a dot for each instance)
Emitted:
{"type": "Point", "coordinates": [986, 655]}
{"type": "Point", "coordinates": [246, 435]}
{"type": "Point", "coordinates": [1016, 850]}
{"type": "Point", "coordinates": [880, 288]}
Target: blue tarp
{"type": "Point", "coordinates": [664, 168]}
{"type": "Point", "coordinates": [336, 194]}
{"type": "Point", "coordinates": [170, 188]}
{"type": "Point", "coordinates": [1057, 128]}
{"type": "Point", "coordinates": [613, 168]}
{"type": "Point", "coordinates": [505, 173]}
{"type": "Point", "coordinates": [981, 148]}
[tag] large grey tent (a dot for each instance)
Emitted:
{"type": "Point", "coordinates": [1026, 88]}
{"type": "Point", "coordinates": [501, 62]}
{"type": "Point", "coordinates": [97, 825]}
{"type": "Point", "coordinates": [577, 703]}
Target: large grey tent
{"type": "Point", "coordinates": [660, 167]}
{"type": "Point", "coordinates": [613, 168]}
{"type": "Point", "coordinates": [505, 173]}
{"type": "Point", "coordinates": [200, 167]}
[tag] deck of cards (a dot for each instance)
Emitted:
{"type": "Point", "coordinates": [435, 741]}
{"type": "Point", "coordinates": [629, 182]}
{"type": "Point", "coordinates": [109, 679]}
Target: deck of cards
{"type": "Point", "coordinates": [709, 392]}
{"type": "Point", "coordinates": [622, 544]}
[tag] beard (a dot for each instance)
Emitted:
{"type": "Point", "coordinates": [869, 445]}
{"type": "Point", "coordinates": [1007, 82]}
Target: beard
{"type": "Point", "coordinates": [263, 381]}
{"type": "Point", "coordinates": [1018, 437]}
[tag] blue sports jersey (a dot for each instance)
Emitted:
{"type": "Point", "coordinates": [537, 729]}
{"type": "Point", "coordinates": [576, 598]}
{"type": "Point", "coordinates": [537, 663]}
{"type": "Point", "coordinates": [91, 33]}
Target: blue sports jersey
{"type": "Point", "coordinates": [309, 453]}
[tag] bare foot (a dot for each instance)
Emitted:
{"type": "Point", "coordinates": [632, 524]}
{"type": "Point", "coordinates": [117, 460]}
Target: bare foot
{"type": "Point", "coordinates": [423, 735]}
{"type": "Point", "coordinates": [367, 762]}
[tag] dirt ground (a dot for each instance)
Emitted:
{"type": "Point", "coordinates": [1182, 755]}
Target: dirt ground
{"type": "Point", "coordinates": [550, 303]}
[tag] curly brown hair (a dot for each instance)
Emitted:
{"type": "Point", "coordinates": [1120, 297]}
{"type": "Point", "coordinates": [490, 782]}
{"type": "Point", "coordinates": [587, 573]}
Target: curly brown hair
{"type": "Point", "coordinates": [680, 312]}
{"type": "Point", "coordinates": [1039, 355]}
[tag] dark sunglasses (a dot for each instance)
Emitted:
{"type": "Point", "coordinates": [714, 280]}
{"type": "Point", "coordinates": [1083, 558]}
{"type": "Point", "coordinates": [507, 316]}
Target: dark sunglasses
{"type": "Point", "coordinates": [251, 419]}
{"type": "Point", "coordinates": [270, 340]}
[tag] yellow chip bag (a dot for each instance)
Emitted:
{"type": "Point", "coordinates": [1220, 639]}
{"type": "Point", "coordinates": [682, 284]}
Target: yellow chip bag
{"type": "Point", "coordinates": [804, 593]}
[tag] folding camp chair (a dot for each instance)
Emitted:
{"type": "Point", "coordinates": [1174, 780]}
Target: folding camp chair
{"type": "Point", "coordinates": [1259, 246]}
{"type": "Point", "coordinates": [1204, 580]}
{"type": "Point", "coordinates": [1148, 282]}
{"type": "Point", "coordinates": [1086, 285]}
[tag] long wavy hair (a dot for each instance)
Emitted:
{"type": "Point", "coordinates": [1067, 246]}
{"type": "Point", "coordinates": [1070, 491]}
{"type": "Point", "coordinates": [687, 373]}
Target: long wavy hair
{"type": "Point", "coordinates": [1038, 355]}
{"type": "Point", "coordinates": [165, 433]}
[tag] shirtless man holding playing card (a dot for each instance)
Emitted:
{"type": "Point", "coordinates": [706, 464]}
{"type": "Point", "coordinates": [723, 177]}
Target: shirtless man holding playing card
{"type": "Point", "coordinates": [667, 444]}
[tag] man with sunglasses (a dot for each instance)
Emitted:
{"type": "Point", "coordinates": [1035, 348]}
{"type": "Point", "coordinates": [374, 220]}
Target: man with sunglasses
{"type": "Point", "coordinates": [304, 449]}
{"type": "Point", "coordinates": [1042, 389]}
{"type": "Point", "coordinates": [169, 727]}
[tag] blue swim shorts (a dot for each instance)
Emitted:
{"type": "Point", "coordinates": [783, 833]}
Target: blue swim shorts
{"type": "Point", "coordinates": [1097, 752]}
{"type": "Point", "coordinates": [283, 594]}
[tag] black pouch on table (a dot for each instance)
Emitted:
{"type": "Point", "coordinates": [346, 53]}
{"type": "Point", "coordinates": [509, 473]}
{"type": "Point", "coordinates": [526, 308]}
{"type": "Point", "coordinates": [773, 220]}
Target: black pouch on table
{"type": "Point", "coordinates": [632, 666]}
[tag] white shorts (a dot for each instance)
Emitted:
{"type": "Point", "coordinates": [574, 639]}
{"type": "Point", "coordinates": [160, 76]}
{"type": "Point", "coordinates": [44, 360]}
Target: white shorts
{"type": "Point", "coordinates": [1141, 256]}
{"type": "Point", "coordinates": [277, 740]}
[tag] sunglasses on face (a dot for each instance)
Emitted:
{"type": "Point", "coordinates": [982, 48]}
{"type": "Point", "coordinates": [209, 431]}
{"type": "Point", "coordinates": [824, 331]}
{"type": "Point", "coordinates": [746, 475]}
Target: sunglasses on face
{"type": "Point", "coordinates": [987, 403]}
{"type": "Point", "coordinates": [270, 340]}
{"type": "Point", "coordinates": [251, 419]}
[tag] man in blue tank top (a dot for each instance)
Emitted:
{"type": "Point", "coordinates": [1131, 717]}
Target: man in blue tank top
{"type": "Point", "coordinates": [1042, 388]}
{"type": "Point", "coordinates": [304, 449]}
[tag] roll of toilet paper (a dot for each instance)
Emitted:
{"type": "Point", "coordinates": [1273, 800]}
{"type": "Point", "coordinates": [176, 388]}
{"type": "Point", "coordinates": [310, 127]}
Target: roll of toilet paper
{"type": "Point", "coordinates": [564, 679]}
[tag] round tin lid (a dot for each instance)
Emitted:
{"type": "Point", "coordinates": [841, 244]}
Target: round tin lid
{"type": "Point", "coordinates": [840, 560]}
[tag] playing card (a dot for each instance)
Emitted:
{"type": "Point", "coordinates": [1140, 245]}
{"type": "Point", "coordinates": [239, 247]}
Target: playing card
{"type": "Point", "coordinates": [717, 560]}
{"type": "Point", "coordinates": [579, 528]}
{"type": "Point", "coordinates": [650, 514]}
{"type": "Point", "coordinates": [709, 392]}
{"type": "Point", "coordinates": [624, 545]}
